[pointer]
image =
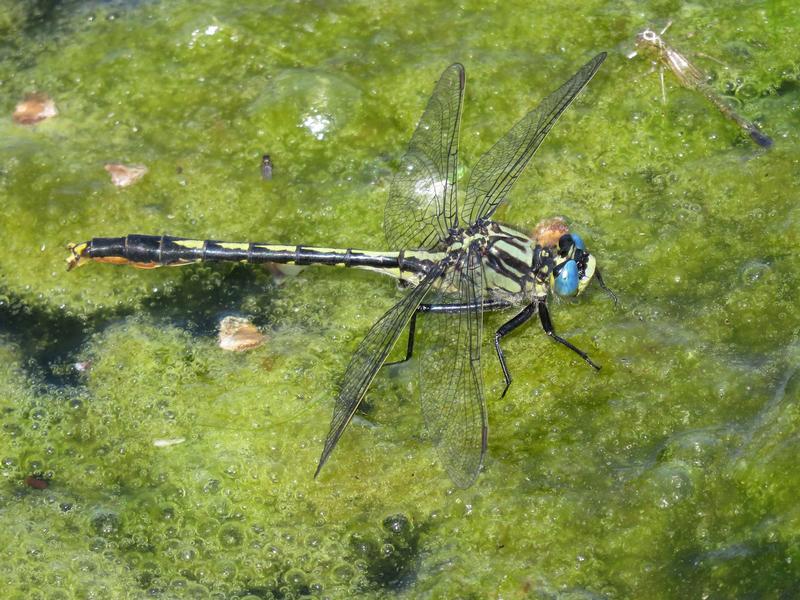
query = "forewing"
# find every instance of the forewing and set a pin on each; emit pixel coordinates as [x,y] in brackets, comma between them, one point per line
[422,198]
[451,381]
[367,360]
[496,172]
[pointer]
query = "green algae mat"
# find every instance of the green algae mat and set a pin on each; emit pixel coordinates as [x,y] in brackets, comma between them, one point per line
[140,460]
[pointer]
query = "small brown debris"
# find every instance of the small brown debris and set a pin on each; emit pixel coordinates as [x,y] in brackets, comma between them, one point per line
[37,482]
[549,231]
[82,366]
[125,175]
[34,108]
[237,335]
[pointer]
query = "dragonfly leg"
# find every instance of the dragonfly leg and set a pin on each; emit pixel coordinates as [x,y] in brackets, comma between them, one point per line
[604,287]
[441,308]
[503,331]
[412,326]
[547,325]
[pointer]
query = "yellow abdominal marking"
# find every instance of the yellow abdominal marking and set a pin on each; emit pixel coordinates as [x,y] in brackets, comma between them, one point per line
[189,243]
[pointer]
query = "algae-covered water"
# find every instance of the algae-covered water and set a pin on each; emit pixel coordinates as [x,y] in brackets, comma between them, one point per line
[671,473]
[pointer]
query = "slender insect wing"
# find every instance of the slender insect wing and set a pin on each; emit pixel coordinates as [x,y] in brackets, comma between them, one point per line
[451,380]
[496,172]
[367,360]
[422,199]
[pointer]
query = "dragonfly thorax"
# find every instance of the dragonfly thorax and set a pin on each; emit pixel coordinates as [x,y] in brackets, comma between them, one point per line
[518,269]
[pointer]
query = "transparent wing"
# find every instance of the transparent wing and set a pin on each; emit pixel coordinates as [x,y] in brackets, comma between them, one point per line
[367,360]
[422,198]
[496,172]
[451,381]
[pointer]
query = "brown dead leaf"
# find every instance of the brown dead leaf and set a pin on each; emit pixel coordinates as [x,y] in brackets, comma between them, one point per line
[34,108]
[125,175]
[237,335]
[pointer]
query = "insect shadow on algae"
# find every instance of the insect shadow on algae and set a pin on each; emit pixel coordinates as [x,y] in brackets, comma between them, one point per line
[458,262]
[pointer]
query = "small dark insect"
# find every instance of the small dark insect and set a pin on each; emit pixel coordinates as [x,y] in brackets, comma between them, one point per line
[266,167]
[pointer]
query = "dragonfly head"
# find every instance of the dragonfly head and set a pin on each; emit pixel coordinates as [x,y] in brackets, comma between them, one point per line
[649,40]
[646,42]
[648,37]
[575,267]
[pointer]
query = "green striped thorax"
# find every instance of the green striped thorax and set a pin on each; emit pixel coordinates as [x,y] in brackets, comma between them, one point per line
[518,268]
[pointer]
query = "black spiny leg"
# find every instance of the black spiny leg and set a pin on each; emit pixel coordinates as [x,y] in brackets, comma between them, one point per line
[440,308]
[504,330]
[604,287]
[547,325]
[412,325]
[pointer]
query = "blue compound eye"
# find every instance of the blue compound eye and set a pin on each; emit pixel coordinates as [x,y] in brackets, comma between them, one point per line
[566,281]
[578,241]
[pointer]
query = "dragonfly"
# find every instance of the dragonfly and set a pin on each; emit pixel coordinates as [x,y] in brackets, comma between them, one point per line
[457,262]
[692,78]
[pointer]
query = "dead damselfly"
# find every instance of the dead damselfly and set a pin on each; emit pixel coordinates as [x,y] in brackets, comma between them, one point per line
[692,78]
[458,262]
